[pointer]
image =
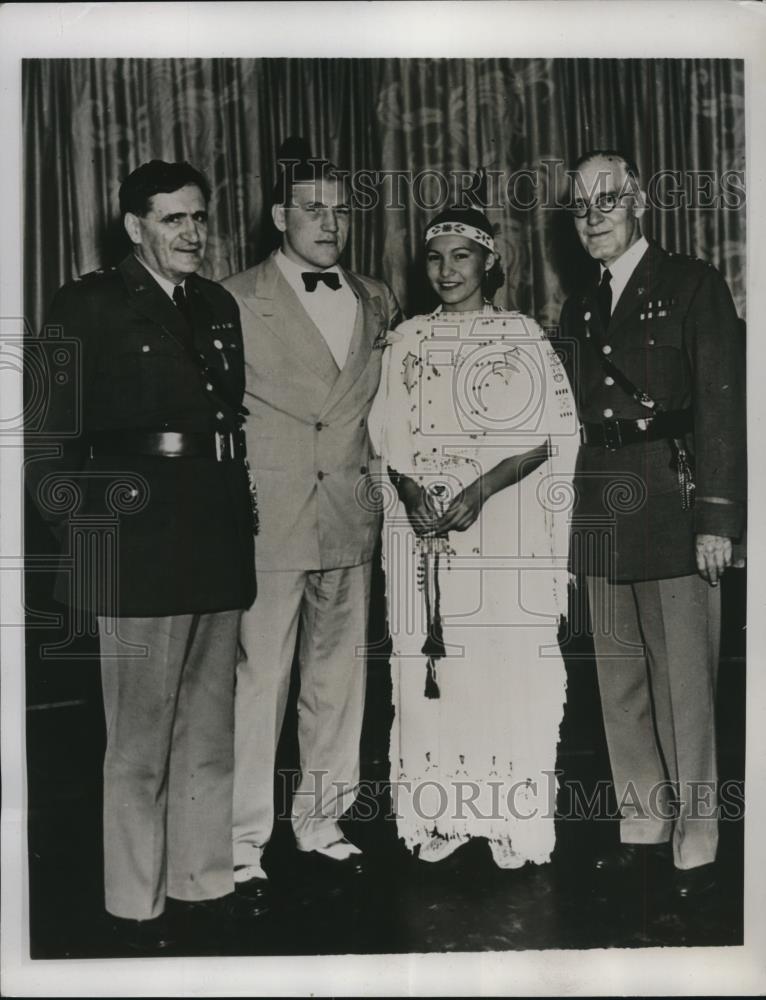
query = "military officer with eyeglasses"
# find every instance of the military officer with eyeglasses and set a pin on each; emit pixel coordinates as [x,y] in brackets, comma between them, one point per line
[658,372]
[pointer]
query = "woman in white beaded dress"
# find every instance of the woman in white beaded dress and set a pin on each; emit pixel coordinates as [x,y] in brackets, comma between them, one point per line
[477,428]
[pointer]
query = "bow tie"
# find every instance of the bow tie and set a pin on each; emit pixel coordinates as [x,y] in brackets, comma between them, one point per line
[312,278]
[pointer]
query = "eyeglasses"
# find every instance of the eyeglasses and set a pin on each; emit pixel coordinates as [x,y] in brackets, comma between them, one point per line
[605,202]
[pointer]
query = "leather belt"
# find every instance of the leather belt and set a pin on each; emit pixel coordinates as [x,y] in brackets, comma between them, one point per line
[218,446]
[614,434]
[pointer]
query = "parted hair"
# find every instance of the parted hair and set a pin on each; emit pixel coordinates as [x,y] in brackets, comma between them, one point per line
[158,177]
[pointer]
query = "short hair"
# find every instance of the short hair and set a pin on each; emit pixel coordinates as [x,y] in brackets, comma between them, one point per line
[158,177]
[608,154]
[296,165]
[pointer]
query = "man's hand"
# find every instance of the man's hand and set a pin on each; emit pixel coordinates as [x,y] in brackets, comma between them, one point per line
[713,557]
[463,510]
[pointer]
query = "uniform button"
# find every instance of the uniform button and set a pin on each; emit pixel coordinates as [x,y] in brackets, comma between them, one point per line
[146,348]
[608,413]
[609,380]
[606,349]
[218,344]
[219,415]
[319,425]
[209,387]
[363,470]
[586,317]
[320,475]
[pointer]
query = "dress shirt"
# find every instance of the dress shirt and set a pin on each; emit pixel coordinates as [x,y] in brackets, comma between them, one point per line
[623,268]
[333,311]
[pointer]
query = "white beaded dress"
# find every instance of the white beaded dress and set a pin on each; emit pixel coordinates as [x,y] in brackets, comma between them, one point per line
[461,392]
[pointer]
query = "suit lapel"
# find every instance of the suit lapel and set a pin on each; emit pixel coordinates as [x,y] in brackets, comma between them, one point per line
[277,306]
[367,326]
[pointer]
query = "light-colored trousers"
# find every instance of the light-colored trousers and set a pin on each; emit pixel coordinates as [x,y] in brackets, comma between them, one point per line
[330,606]
[168,769]
[657,645]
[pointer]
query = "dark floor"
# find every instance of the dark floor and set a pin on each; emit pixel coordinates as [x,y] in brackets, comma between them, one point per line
[462,904]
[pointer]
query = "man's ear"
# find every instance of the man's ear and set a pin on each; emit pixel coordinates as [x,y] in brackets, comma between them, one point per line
[278,215]
[640,205]
[132,227]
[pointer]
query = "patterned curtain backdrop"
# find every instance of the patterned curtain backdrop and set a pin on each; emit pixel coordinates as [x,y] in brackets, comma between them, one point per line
[412,132]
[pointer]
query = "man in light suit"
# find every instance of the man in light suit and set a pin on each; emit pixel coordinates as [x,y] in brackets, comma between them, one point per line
[312,369]
[660,391]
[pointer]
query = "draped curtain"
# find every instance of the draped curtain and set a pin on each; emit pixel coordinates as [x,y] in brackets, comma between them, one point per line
[89,122]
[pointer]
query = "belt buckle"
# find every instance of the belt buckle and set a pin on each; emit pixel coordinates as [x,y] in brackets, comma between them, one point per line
[612,435]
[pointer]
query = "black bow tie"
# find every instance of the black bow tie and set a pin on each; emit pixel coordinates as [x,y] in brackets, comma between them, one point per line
[312,278]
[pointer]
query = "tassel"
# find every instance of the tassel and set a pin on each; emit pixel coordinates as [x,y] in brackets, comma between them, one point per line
[433,647]
[432,688]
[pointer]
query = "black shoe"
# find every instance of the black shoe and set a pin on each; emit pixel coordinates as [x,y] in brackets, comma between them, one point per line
[351,867]
[251,898]
[147,937]
[694,882]
[199,922]
[630,858]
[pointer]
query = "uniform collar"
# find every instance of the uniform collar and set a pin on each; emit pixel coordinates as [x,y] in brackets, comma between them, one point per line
[167,286]
[622,269]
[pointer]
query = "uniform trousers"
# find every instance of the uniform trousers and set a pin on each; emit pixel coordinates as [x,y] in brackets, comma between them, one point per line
[168,687]
[657,645]
[326,612]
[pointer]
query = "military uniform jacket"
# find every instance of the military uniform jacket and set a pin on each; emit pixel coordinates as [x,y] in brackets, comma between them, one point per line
[675,334]
[180,527]
[307,431]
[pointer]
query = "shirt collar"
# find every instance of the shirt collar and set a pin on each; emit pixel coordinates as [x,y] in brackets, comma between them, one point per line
[167,286]
[624,266]
[291,268]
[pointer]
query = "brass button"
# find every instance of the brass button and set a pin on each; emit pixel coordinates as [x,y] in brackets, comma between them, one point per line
[319,425]
[609,380]
[608,413]
[606,349]
[320,475]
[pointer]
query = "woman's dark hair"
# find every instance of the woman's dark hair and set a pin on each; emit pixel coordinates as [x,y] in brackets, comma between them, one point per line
[158,177]
[459,216]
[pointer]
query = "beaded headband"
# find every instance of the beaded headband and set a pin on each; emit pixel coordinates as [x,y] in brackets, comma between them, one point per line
[461,229]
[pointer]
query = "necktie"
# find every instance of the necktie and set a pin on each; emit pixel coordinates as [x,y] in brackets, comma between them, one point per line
[604,299]
[179,297]
[312,278]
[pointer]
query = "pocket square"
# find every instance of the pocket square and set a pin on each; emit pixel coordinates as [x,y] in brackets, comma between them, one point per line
[385,339]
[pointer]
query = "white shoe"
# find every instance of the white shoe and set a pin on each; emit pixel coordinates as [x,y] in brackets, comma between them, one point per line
[339,850]
[438,848]
[254,869]
[503,854]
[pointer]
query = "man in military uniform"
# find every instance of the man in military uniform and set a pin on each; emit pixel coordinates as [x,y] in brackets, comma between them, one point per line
[311,331]
[159,465]
[660,489]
